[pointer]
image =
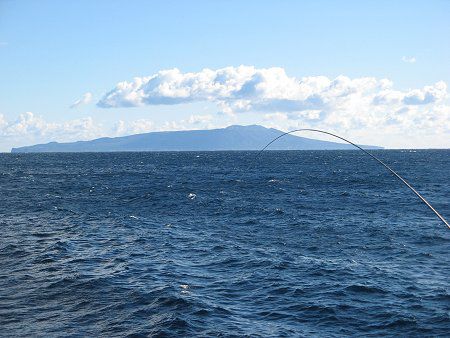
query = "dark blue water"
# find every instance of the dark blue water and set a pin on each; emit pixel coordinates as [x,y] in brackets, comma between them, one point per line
[305,243]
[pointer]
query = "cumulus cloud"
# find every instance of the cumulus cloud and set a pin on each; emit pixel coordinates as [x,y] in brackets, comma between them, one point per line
[85,99]
[354,106]
[29,125]
[29,128]
[426,95]
[133,127]
[342,103]
[276,117]
[140,126]
[246,88]
[242,88]
[198,119]
[191,123]
[409,59]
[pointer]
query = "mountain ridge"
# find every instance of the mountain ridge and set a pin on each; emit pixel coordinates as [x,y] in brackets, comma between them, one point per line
[234,137]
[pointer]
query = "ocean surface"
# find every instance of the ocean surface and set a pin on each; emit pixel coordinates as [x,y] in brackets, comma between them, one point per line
[296,243]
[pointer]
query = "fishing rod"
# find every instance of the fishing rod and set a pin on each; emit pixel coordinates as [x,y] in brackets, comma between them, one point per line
[368,153]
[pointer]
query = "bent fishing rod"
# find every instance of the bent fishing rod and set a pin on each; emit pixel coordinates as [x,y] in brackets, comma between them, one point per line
[367,153]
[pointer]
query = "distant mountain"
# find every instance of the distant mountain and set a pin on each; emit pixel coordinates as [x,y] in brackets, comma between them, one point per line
[231,138]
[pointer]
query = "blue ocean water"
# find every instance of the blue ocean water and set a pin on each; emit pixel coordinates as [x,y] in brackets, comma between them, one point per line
[301,243]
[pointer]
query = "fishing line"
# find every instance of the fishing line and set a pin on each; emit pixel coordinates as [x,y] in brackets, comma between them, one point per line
[368,153]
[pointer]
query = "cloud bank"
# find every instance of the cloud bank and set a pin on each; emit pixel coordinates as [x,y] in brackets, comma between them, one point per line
[29,128]
[366,109]
[341,102]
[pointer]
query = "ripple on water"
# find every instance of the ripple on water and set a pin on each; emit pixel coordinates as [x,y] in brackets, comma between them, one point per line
[166,246]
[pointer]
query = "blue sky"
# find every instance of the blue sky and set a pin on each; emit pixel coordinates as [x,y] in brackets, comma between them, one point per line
[54,52]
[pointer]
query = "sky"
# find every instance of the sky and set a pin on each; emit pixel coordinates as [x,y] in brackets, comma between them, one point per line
[376,72]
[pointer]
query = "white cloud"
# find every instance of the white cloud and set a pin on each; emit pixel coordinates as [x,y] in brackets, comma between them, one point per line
[198,119]
[426,95]
[410,126]
[248,89]
[85,99]
[34,128]
[368,108]
[140,126]
[30,126]
[133,127]
[409,59]
[342,104]
[276,117]
[191,123]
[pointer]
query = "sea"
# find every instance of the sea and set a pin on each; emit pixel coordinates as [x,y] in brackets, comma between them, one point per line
[224,244]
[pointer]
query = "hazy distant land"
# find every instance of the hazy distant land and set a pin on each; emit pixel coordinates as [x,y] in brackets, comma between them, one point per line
[253,137]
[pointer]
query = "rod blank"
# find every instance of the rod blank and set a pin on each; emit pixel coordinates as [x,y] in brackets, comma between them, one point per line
[372,156]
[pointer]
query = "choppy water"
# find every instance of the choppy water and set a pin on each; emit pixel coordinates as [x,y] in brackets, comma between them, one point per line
[305,243]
